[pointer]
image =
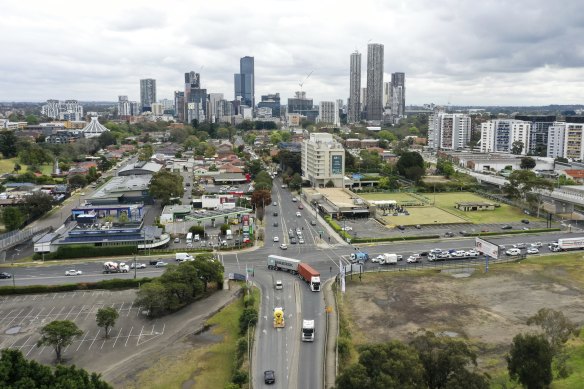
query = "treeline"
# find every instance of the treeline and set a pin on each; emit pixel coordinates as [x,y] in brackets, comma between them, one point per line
[180,285]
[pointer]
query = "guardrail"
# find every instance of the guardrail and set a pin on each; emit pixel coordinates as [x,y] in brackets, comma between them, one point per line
[19,236]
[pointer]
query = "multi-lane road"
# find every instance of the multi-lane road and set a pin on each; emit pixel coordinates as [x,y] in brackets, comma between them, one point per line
[297,364]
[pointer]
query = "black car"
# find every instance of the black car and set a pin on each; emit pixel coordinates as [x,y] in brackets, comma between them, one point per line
[449,234]
[275,214]
[275,224]
[4,275]
[269,377]
[293,240]
[400,227]
[525,221]
[507,227]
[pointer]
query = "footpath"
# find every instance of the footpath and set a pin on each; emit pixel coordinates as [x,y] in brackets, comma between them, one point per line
[332,328]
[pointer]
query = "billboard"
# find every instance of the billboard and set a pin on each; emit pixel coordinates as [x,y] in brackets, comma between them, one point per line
[337,164]
[487,248]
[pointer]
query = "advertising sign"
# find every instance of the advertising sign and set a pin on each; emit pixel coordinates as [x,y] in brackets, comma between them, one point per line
[487,248]
[337,164]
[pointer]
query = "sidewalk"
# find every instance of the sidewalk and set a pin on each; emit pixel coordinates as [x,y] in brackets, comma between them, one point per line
[332,327]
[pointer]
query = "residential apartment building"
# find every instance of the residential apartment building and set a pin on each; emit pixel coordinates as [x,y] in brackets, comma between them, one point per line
[448,131]
[538,137]
[147,94]
[374,81]
[323,160]
[63,110]
[354,103]
[566,140]
[499,135]
[398,94]
[179,104]
[195,98]
[328,112]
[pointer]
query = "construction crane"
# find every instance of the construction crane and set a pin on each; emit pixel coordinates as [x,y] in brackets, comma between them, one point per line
[303,81]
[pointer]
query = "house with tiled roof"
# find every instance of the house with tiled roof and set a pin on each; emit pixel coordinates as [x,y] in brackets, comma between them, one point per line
[575,174]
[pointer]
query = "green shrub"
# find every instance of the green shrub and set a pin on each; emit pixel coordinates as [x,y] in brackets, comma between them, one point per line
[248,300]
[241,349]
[344,347]
[239,377]
[249,317]
[87,251]
[112,284]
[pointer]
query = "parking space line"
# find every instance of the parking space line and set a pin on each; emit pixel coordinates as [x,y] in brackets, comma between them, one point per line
[25,342]
[32,347]
[130,309]
[121,307]
[54,296]
[79,313]
[129,335]
[14,343]
[137,313]
[24,318]
[71,310]
[98,331]
[118,337]
[88,312]
[36,296]
[139,336]
[152,330]
[7,316]
[82,340]
[14,318]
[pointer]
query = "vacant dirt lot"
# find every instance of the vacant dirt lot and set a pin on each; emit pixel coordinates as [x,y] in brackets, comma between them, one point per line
[487,309]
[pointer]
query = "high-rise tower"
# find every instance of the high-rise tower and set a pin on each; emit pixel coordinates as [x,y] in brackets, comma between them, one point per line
[374,81]
[147,93]
[244,81]
[398,95]
[354,108]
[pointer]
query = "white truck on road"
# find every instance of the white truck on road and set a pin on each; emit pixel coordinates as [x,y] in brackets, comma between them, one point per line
[115,267]
[308,330]
[182,257]
[567,244]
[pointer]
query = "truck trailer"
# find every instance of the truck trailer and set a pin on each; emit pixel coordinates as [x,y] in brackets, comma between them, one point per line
[276,262]
[308,330]
[359,256]
[115,267]
[389,259]
[311,276]
[567,244]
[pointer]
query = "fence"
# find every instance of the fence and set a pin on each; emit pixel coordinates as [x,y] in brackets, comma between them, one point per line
[16,237]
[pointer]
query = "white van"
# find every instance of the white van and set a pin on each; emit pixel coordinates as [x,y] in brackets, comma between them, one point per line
[197,238]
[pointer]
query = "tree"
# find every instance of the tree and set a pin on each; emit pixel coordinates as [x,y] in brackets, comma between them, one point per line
[527,163]
[557,328]
[530,361]
[37,204]
[354,377]
[407,160]
[153,296]
[165,185]
[414,173]
[145,153]
[445,167]
[18,372]
[106,318]
[12,218]
[260,198]
[104,164]
[92,174]
[517,147]
[8,142]
[77,181]
[275,138]
[295,182]
[106,139]
[208,270]
[248,318]
[253,167]
[59,334]
[330,184]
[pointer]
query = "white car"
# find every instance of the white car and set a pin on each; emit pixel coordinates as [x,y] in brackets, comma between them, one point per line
[138,266]
[536,244]
[73,272]
[275,203]
[413,258]
[279,284]
[283,246]
[435,251]
[513,252]
[533,250]
[161,264]
[300,240]
[378,258]
[276,239]
[298,214]
[472,253]
[347,228]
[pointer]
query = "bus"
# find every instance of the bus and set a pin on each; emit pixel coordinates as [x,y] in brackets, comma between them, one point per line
[190,238]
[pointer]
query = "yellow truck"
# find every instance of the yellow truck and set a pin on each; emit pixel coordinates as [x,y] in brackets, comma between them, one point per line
[279,317]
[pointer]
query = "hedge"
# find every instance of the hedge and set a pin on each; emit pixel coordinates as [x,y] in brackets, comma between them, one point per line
[113,284]
[394,238]
[515,232]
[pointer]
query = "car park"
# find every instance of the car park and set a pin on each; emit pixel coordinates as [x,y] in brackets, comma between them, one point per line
[269,377]
[283,246]
[137,265]
[276,239]
[73,272]
[5,275]
[533,250]
[161,264]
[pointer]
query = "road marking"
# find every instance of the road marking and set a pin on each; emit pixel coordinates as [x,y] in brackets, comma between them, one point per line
[71,310]
[24,318]
[139,336]
[118,337]
[7,316]
[54,296]
[14,318]
[82,340]
[129,335]
[79,313]
[237,259]
[130,309]
[25,342]
[32,347]
[98,331]
[14,343]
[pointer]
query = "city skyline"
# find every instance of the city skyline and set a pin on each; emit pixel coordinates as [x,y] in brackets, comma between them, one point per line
[99,56]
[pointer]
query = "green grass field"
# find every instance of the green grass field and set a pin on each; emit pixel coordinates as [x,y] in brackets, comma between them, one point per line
[7,166]
[444,211]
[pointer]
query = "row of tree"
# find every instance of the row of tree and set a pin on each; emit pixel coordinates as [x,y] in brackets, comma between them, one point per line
[180,285]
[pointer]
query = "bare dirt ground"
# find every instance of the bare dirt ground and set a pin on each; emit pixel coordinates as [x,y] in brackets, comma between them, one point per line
[486,309]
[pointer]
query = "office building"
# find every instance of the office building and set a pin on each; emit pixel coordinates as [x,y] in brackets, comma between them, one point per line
[448,131]
[147,94]
[538,139]
[195,99]
[225,111]
[323,160]
[244,82]
[271,101]
[124,106]
[374,105]
[328,112]
[398,94]
[387,95]
[302,105]
[214,99]
[179,103]
[498,136]
[69,110]
[354,108]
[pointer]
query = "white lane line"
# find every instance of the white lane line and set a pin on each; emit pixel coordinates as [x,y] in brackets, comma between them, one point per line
[129,335]
[71,310]
[237,259]
[118,337]
[98,331]
[82,340]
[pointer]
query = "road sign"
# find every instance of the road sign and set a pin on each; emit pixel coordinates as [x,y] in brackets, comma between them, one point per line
[487,248]
[329,309]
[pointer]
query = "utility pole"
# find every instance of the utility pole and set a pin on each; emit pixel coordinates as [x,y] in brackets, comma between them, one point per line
[135,266]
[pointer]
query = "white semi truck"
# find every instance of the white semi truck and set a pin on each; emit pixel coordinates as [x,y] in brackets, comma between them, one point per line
[308,330]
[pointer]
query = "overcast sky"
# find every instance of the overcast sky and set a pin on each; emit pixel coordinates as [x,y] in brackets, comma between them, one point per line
[490,52]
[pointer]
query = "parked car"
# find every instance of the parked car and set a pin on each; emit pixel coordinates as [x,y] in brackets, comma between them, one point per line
[533,250]
[5,275]
[435,251]
[176,240]
[472,253]
[449,234]
[418,227]
[161,264]
[283,246]
[269,377]
[524,221]
[276,239]
[313,222]
[138,265]
[275,213]
[298,214]
[73,272]
[513,252]
[401,227]
[536,244]
[519,245]
[347,228]
[293,240]
[413,258]
[507,227]
[275,203]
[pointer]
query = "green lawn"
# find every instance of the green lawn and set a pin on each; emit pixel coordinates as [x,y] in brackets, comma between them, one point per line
[7,166]
[424,216]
